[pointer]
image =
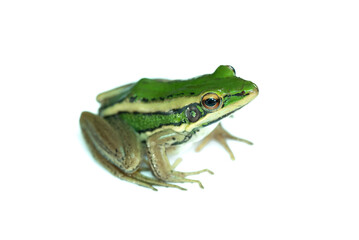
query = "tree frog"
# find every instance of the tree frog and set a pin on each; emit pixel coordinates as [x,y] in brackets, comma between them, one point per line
[138,124]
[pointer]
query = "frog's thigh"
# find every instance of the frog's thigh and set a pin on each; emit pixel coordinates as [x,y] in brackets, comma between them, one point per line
[113,169]
[114,141]
[102,160]
[162,169]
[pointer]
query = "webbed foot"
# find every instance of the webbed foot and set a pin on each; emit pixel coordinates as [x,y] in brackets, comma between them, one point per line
[220,135]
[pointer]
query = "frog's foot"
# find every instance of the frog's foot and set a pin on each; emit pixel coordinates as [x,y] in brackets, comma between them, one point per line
[136,177]
[153,181]
[220,135]
[181,176]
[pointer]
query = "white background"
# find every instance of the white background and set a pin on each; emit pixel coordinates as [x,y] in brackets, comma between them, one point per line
[298,181]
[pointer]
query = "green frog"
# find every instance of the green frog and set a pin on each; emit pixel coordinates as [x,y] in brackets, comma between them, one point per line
[140,123]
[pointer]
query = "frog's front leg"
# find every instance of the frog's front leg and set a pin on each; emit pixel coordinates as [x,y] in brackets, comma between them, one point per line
[161,167]
[220,135]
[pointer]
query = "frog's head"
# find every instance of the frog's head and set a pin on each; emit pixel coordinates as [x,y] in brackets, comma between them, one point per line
[222,93]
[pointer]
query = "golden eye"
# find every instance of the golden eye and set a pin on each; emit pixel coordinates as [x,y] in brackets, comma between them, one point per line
[211,101]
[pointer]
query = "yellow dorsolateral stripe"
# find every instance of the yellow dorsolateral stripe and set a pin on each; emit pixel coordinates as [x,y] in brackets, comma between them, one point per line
[150,107]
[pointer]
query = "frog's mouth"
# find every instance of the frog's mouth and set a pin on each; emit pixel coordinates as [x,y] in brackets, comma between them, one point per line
[214,117]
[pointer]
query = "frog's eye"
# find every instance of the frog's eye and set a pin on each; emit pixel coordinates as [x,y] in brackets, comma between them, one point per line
[224,71]
[211,101]
[232,68]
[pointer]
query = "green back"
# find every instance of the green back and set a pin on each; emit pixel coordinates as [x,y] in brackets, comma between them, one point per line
[223,82]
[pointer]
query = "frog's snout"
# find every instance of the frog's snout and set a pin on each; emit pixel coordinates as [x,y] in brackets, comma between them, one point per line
[254,92]
[256,87]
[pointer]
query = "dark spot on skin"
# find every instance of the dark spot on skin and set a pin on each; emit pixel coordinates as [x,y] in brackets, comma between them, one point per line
[116,151]
[192,93]
[170,96]
[144,100]
[173,138]
[162,98]
[153,99]
[132,99]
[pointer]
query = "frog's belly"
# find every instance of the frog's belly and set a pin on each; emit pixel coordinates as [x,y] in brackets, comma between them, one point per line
[198,136]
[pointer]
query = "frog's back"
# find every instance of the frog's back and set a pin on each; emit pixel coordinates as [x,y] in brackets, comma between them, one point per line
[147,90]
[152,90]
[223,80]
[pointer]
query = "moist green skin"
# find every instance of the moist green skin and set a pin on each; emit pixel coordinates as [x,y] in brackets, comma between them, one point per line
[147,122]
[223,82]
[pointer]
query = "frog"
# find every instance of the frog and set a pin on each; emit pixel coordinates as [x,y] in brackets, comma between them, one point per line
[140,124]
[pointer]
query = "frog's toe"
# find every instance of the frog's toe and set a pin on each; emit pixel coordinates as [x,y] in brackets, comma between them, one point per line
[196,172]
[221,135]
[154,182]
[180,177]
[192,181]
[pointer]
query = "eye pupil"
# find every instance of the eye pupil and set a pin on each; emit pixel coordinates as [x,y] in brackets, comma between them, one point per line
[210,102]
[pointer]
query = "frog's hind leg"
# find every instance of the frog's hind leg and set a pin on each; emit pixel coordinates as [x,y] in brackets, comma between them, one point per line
[220,135]
[116,147]
[115,140]
[136,178]
[112,168]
